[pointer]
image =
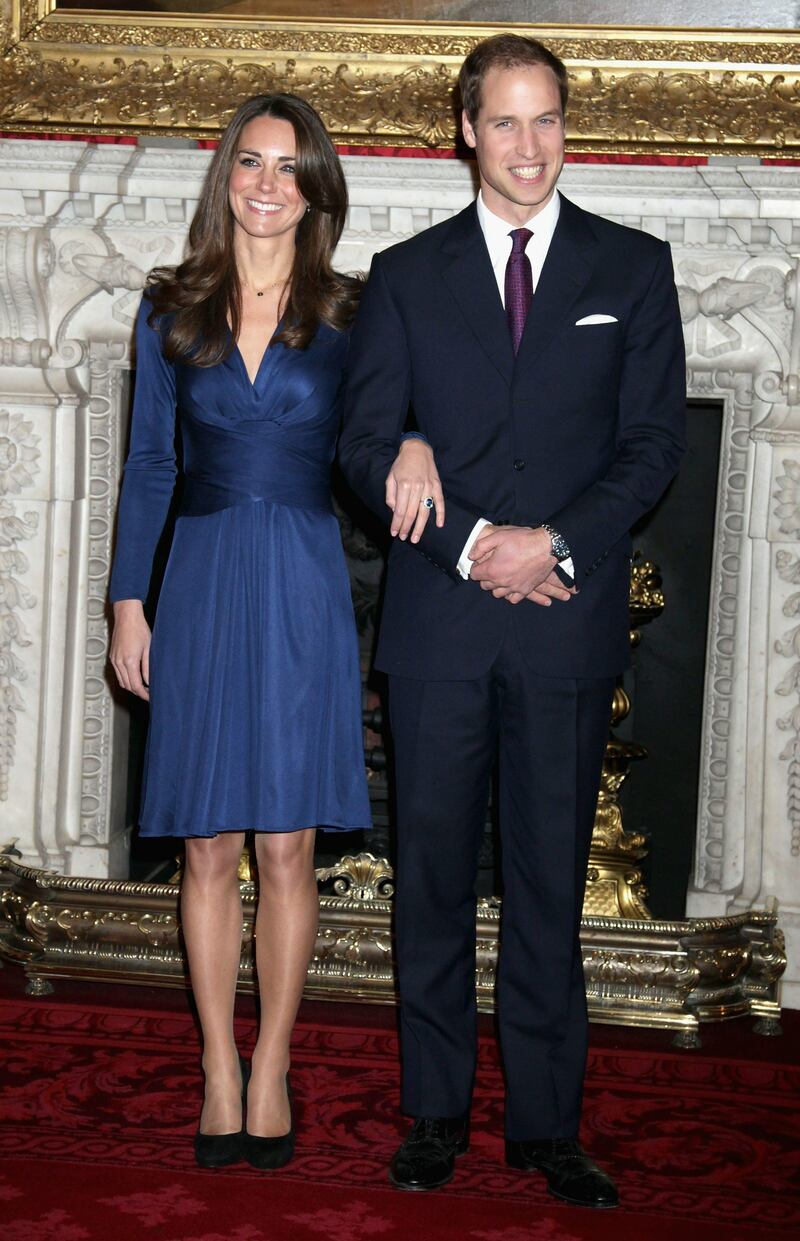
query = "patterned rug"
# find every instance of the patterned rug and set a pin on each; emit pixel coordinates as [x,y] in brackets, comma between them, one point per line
[98,1103]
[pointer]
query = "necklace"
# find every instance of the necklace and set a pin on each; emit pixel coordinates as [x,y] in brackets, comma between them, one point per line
[274,285]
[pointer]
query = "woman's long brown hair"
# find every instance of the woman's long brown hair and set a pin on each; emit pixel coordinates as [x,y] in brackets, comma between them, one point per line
[202,295]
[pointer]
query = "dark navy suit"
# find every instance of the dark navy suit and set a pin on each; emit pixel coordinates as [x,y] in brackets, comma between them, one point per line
[584,430]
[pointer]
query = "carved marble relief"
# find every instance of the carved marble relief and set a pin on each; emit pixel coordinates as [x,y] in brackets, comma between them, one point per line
[80,227]
[788,646]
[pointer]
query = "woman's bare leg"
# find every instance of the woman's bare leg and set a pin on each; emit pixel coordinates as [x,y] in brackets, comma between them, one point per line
[211,918]
[285,932]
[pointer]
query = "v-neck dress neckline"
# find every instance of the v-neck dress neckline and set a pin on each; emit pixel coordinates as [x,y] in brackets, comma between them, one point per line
[253,382]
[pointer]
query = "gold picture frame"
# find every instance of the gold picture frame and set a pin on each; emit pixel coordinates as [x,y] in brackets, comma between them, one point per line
[633,90]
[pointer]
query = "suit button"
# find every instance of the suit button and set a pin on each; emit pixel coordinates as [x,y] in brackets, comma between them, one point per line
[519,464]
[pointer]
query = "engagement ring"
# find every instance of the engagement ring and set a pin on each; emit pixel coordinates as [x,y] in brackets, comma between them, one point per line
[427,502]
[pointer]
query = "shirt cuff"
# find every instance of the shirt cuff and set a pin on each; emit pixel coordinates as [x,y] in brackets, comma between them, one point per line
[464,566]
[565,571]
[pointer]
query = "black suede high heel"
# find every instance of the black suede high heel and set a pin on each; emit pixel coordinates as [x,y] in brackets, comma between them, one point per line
[220,1150]
[267,1154]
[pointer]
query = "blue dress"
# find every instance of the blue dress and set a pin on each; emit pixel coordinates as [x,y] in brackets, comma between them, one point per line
[255,686]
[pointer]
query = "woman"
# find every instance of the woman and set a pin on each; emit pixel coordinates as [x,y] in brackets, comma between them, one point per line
[253,673]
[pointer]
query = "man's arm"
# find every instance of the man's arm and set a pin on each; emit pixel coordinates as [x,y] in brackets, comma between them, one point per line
[651,435]
[376,405]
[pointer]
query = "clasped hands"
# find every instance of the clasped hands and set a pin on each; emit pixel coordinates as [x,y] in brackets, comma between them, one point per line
[513,562]
[516,563]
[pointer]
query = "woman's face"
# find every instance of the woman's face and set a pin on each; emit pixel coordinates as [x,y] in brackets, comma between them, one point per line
[262,191]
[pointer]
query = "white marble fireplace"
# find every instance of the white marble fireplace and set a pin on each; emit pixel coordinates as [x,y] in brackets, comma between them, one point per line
[79,228]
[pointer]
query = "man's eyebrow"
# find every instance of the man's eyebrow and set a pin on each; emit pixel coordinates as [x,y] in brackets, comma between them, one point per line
[507,116]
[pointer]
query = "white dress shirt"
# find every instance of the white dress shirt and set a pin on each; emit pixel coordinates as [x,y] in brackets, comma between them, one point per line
[497,235]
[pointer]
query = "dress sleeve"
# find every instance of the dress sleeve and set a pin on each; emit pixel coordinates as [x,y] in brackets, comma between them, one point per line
[149,477]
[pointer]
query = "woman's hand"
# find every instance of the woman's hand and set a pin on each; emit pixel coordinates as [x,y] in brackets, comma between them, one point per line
[130,647]
[411,479]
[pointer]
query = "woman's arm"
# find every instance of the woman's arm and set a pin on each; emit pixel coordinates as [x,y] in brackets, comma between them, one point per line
[147,488]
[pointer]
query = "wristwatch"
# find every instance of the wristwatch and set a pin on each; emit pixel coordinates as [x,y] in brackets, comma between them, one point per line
[558,544]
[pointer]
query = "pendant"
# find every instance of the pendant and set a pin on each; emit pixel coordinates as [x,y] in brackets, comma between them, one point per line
[260,293]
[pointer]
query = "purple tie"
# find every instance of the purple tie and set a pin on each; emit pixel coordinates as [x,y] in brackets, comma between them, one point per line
[519,284]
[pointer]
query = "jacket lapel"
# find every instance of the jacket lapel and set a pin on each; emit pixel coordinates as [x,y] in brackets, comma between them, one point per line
[566,271]
[468,274]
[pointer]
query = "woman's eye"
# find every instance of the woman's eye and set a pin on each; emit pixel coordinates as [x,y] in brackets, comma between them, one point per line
[287,168]
[247,161]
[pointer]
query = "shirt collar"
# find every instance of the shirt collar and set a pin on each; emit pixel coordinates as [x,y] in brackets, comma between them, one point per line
[496,231]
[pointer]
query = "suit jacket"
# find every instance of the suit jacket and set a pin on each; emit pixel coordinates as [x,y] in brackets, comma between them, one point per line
[583,429]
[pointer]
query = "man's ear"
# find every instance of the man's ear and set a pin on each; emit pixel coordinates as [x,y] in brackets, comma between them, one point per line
[468,131]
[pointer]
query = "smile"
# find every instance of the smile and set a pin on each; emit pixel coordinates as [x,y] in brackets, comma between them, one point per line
[528,172]
[264,208]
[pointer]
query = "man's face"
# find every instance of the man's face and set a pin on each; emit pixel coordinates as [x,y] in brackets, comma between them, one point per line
[518,138]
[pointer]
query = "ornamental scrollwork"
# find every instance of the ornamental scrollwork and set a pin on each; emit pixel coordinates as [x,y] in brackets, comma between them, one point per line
[361,878]
[692,107]
[788,569]
[788,498]
[392,83]
[19,453]
[19,456]
[357,946]
[440,40]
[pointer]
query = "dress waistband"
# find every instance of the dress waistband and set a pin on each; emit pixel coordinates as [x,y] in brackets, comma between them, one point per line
[250,461]
[201,497]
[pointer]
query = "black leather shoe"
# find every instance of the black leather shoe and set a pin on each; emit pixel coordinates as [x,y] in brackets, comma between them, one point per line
[220,1150]
[426,1160]
[571,1175]
[268,1154]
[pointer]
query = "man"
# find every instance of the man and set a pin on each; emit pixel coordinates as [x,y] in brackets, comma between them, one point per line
[540,350]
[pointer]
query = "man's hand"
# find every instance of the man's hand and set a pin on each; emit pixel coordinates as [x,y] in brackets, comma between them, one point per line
[516,563]
[412,477]
[130,647]
[551,588]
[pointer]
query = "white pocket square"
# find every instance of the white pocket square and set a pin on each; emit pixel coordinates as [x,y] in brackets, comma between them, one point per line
[590,320]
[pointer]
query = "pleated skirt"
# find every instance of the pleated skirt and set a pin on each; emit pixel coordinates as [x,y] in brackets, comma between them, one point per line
[255,684]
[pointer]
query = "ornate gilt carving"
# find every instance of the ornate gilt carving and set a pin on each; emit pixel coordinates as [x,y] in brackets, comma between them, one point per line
[607,970]
[362,878]
[669,974]
[631,90]
[614,885]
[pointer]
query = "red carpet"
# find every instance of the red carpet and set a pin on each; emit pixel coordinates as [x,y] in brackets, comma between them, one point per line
[99,1099]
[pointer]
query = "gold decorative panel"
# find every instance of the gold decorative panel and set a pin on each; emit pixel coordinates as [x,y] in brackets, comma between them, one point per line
[666,91]
[673,975]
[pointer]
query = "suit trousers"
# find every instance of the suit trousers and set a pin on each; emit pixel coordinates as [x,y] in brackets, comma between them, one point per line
[550,736]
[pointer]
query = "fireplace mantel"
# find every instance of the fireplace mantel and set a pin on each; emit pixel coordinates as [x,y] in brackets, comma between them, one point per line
[80,225]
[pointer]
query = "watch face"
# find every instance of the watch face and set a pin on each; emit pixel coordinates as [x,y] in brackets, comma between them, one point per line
[558,544]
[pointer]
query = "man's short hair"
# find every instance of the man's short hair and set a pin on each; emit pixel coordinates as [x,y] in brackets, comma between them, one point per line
[505,51]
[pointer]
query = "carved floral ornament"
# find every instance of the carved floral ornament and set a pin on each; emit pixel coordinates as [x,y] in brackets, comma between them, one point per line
[19,453]
[665,91]
[19,462]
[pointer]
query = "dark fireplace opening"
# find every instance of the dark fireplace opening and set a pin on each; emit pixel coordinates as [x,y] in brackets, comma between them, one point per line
[666,681]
